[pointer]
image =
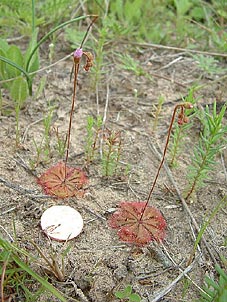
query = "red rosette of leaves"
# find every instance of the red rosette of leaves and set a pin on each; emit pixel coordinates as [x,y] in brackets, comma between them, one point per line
[63,182]
[132,229]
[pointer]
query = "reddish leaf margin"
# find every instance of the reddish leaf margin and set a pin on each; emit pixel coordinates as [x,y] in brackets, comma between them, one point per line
[132,229]
[63,182]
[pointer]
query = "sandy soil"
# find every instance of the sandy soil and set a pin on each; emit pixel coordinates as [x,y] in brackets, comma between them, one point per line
[97,263]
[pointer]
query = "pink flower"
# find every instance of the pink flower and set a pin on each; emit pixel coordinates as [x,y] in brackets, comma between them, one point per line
[78,53]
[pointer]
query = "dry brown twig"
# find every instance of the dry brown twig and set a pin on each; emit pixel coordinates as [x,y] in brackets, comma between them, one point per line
[21,190]
[169,287]
[159,46]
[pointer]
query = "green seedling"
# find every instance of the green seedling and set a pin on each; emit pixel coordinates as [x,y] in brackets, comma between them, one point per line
[17,276]
[211,142]
[61,142]
[215,291]
[38,149]
[42,148]
[221,205]
[127,295]
[130,64]
[111,152]
[52,261]
[157,113]
[47,127]
[93,131]
[208,65]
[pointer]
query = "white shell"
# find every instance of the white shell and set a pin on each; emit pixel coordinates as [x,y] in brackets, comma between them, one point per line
[61,222]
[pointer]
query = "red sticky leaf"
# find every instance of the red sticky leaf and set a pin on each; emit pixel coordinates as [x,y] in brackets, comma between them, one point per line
[133,229]
[63,182]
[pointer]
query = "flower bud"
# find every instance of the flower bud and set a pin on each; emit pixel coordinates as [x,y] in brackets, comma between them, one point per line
[77,55]
[185,120]
[188,105]
[180,122]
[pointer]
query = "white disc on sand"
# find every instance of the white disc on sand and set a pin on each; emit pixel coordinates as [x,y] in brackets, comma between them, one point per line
[61,222]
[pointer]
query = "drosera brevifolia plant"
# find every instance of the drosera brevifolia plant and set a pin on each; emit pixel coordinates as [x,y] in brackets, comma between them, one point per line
[61,180]
[137,222]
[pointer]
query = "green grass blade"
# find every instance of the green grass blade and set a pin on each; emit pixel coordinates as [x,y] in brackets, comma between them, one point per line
[50,33]
[41,280]
[29,81]
[220,205]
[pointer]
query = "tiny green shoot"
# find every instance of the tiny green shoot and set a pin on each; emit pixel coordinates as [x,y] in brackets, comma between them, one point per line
[127,295]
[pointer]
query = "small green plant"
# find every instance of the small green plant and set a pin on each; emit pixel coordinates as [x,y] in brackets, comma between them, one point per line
[61,142]
[111,152]
[157,113]
[208,65]
[215,291]
[127,295]
[211,142]
[207,221]
[42,147]
[47,127]
[180,130]
[130,64]
[39,150]
[93,130]
[17,277]
[12,66]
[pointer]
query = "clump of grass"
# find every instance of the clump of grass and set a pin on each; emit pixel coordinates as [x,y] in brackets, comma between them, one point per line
[208,65]
[215,291]
[17,277]
[211,142]
[93,129]
[42,147]
[111,152]
[60,143]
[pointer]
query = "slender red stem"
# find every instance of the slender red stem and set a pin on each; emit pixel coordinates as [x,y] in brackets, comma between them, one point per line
[76,70]
[163,158]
